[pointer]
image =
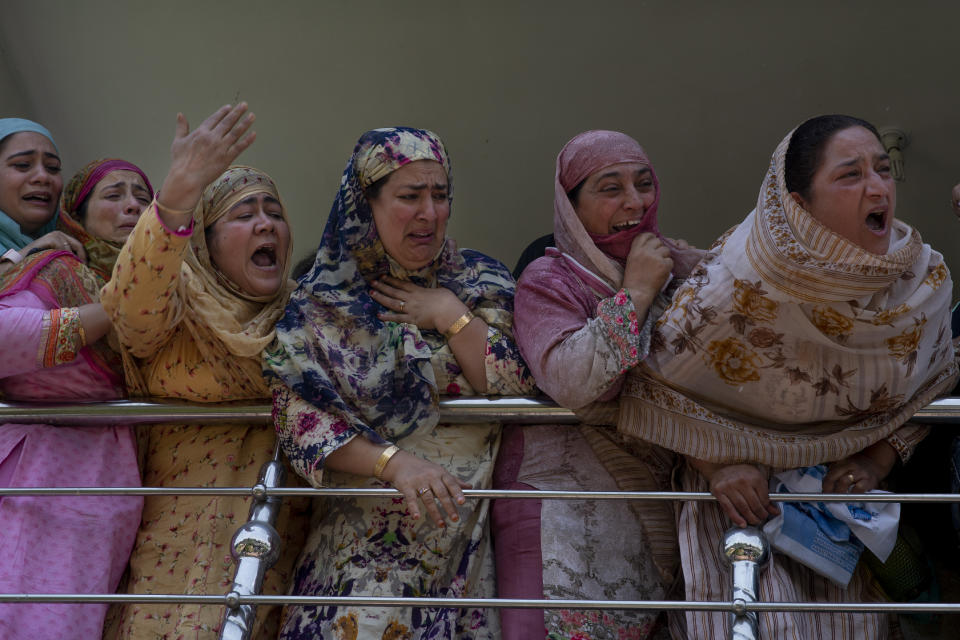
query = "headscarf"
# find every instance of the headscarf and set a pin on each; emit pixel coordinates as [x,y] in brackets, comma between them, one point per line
[332,349]
[61,279]
[792,346]
[603,255]
[11,237]
[101,254]
[242,322]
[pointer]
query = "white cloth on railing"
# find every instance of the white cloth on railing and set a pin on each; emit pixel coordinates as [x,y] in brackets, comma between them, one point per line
[829,537]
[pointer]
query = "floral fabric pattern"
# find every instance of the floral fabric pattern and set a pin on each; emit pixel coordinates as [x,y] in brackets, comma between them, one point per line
[62,337]
[183,545]
[785,327]
[48,539]
[337,372]
[624,330]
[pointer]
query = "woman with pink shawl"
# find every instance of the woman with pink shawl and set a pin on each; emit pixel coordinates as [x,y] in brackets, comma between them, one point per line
[583,318]
[53,336]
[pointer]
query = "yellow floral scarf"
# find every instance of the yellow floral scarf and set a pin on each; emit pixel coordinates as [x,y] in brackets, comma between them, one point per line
[791,346]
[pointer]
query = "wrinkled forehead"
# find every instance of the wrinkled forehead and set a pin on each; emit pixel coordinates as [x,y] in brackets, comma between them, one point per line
[380,152]
[235,185]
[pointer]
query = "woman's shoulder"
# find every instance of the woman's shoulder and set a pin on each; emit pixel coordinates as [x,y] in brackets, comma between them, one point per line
[478,261]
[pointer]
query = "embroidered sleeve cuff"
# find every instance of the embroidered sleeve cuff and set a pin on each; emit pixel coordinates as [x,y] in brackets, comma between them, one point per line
[623,328]
[62,337]
[905,439]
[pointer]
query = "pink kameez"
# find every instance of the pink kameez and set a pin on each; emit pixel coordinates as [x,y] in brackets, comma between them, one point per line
[59,544]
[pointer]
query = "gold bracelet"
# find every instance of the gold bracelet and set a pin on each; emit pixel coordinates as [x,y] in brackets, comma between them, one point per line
[384,458]
[458,325]
[176,212]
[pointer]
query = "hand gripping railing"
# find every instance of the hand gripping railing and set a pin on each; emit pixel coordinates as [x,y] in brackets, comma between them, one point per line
[256,544]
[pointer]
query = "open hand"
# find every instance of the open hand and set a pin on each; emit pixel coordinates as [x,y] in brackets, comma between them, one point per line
[424,483]
[435,308]
[58,241]
[198,157]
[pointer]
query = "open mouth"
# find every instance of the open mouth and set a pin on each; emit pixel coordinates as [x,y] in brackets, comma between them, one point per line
[623,226]
[265,256]
[422,236]
[43,198]
[877,221]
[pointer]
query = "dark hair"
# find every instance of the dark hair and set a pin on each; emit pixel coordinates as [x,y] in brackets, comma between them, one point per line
[373,191]
[82,209]
[805,151]
[574,194]
[303,267]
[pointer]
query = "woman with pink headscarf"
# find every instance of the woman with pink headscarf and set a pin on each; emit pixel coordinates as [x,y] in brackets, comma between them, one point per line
[583,318]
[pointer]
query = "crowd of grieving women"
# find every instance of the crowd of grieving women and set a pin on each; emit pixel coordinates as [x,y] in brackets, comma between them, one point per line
[789,356]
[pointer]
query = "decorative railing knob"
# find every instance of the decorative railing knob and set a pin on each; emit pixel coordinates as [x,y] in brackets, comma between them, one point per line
[748,551]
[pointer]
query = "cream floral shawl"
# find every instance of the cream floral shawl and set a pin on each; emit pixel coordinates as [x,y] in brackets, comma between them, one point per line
[791,346]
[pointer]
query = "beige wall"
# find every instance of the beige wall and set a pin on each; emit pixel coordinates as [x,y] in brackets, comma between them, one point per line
[708,88]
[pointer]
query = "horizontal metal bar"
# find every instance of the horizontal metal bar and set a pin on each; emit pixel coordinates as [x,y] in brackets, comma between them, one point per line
[486,603]
[505,409]
[260,491]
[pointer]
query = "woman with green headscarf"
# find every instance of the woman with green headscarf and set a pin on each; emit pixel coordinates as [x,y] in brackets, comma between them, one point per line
[30,184]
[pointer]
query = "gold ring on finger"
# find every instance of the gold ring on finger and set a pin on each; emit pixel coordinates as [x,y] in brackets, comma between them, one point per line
[423,490]
[851,478]
[402,303]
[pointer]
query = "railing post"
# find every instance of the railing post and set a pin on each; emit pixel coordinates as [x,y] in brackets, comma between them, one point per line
[256,548]
[748,551]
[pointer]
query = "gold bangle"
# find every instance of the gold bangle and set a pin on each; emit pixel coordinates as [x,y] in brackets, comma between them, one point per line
[384,458]
[458,325]
[175,212]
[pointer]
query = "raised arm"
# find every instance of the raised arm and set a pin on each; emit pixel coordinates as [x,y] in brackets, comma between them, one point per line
[141,298]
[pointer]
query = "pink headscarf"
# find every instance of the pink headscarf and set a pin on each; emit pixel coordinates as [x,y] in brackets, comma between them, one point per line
[103,169]
[604,255]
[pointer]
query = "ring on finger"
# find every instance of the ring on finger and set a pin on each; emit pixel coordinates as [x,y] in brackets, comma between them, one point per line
[402,303]
[423,490]
[851,478]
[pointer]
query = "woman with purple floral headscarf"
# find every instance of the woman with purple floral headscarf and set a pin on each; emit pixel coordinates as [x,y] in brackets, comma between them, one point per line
[392,315]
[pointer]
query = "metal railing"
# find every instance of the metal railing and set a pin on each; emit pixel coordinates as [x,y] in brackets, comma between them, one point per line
[256,544]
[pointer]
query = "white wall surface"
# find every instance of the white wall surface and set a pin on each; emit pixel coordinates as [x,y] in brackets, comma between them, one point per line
[708,88]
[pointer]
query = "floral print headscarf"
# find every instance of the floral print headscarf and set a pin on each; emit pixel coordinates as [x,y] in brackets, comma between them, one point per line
[331,349]
[791,346]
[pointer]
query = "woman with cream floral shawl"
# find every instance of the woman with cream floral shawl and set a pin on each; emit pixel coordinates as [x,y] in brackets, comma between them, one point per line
[790,346]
